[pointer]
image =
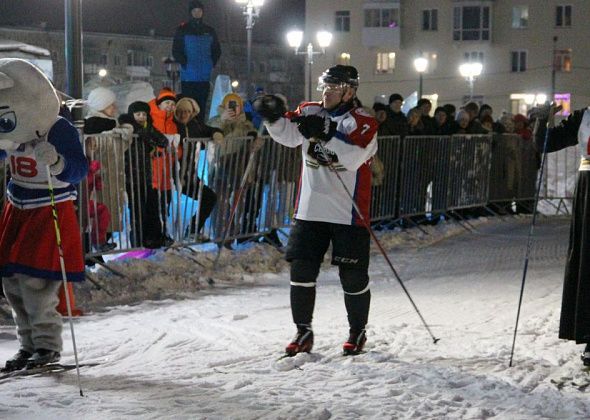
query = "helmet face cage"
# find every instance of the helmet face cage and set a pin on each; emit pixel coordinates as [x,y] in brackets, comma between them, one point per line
[326,81]
[337,77]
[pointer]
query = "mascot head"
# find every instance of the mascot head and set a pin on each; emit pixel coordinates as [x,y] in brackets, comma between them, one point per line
[29,105]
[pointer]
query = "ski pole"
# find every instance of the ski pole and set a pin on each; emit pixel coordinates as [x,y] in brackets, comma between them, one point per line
[63,273]
[530,240]
[377,242]
[237,197]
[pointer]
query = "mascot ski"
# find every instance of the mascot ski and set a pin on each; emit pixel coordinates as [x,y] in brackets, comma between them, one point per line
[35,141]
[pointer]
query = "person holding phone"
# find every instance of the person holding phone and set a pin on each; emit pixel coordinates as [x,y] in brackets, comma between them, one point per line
[232,157]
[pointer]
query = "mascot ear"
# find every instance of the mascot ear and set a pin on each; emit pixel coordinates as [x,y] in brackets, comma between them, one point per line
[5,81]
[29,103]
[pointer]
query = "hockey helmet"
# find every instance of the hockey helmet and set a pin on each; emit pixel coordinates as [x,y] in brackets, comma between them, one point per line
[339,75]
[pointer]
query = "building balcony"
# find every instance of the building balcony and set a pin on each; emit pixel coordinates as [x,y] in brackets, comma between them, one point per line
[381,37]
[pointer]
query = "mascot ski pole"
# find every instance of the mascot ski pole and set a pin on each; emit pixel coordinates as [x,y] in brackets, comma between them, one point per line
[64,277]
[377,242]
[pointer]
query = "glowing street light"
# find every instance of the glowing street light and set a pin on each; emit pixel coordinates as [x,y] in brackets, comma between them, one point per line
[470,71]
[102,73]
[295,38]
[420,64]
[251,11]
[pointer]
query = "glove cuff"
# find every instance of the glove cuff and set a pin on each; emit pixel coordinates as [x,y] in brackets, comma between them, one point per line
[58,167]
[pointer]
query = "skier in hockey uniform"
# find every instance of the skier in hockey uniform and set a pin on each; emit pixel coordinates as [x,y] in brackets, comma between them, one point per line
[335,136]
[34,138]
[575,305]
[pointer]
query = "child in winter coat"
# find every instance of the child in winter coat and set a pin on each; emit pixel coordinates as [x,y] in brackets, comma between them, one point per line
[146,227]
[99,215]
[113,142]
[163,160]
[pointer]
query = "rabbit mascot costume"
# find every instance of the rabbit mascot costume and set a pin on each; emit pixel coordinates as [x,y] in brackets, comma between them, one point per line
[36,142]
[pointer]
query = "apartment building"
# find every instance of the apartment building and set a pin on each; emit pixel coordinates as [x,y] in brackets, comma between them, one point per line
[123,58]
[528,48]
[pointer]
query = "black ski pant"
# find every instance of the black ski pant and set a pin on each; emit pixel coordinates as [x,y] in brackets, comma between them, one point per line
[355,284]
[199,91]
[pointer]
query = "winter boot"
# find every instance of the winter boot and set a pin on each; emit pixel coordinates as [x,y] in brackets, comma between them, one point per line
[355,343]
[302,342]
[42,357]
[586,355]
[17,362]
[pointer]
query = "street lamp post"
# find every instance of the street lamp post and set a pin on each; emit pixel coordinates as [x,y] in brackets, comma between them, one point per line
[470,71]
[420,64]
[294,38]
[251,11]
[553,70]
[73,50]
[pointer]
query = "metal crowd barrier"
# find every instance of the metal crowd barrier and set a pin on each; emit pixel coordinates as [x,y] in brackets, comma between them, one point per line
[137,194]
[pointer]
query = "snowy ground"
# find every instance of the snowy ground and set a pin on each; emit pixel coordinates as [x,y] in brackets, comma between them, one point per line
[213,353]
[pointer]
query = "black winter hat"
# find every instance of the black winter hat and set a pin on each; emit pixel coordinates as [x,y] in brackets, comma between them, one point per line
[195,4]
[395,97]
[138,106]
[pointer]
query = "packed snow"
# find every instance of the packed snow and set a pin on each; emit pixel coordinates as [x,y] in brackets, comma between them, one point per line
[171,346]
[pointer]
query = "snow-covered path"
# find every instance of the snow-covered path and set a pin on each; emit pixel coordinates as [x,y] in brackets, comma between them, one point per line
[215,356]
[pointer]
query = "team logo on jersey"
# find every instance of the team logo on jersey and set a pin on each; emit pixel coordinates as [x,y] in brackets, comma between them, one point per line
[322,154]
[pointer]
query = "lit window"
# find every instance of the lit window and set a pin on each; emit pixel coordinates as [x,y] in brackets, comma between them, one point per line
[563,15]
[562,60]
[385,63]
[520,17]
[342,21]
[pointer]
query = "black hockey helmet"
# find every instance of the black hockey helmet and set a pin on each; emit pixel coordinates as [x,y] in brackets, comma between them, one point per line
[339,74]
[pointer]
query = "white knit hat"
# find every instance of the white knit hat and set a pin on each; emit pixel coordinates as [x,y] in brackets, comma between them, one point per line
[100,99]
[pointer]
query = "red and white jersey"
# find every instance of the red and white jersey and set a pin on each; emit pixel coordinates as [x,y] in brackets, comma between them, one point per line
[321,196]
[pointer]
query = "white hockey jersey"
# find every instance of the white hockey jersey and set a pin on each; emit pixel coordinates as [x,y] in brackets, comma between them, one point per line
[321,196]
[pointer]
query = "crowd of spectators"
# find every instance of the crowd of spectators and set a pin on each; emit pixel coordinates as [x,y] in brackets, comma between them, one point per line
[445,120]
[138,160]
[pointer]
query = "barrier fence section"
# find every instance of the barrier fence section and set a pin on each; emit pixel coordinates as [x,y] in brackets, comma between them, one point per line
[137,194]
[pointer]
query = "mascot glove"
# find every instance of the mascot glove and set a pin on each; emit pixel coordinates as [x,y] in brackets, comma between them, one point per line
[314,126]
[46,154]
[269,107]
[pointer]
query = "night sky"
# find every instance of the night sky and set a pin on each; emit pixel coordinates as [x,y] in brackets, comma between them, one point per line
[139,16]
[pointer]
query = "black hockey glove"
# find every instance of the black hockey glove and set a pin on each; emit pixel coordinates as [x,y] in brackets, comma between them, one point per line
[270,107]
[314,126]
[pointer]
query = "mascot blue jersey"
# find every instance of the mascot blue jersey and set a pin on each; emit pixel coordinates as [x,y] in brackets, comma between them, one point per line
[28,187]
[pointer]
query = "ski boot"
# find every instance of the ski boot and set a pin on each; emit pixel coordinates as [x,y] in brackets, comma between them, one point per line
[302,342]
[42,357]
[16,362]
[355,343]
[586,355]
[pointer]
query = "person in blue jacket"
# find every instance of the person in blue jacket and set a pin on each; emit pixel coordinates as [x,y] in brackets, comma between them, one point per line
[197,50]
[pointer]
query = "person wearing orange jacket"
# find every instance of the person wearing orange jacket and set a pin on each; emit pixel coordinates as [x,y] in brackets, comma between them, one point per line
[163,163]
